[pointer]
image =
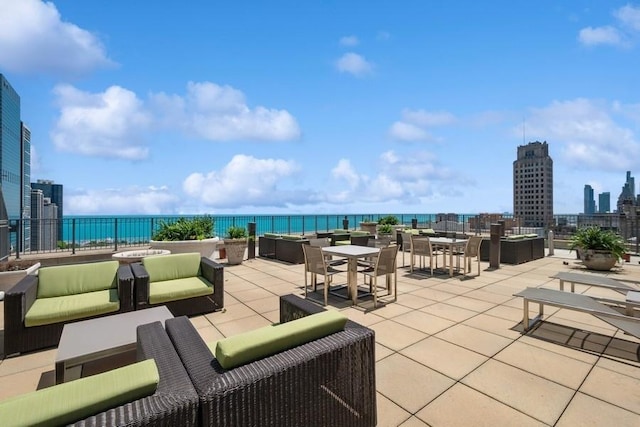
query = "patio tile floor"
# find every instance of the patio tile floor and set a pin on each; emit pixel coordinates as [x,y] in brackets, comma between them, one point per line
[449,351]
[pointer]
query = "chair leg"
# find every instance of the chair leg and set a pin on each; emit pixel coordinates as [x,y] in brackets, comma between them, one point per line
[326,289]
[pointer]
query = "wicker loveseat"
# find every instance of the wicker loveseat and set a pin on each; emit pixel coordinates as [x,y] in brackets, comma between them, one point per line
[37,308]
[155,391]
[283,247]
[188,284]
[516,249]
[329,381]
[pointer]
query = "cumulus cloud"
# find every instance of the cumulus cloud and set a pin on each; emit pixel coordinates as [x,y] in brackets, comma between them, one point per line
[107,124]
[349,41]
[355,64]
[590,133]
[35,39]
[244,181]
[414,124]
[221,113]
[125,201]
[623,33]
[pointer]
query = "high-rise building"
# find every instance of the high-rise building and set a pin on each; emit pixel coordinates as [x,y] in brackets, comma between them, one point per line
[55,193]
[628,194]
[10,152]
[589,201]
[604,202]
[25,186]
[533,185]
[44,222]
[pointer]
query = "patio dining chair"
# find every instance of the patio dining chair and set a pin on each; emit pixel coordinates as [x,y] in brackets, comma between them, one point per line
[315,263]
[472,250]
[385,265]
[422,248]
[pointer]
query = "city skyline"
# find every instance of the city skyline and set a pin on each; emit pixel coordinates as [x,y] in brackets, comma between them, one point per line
[321,107]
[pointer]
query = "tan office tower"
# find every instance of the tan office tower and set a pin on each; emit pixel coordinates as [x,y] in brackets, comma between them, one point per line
[533,185]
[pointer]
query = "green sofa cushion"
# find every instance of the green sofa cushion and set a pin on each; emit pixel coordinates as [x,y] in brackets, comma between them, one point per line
[360,233]
[73,401]
[169,267]
[46,311]
[253,345]
[515,237]
[176,289]
[531,235]
[73,279]
[291,237]
[272,235]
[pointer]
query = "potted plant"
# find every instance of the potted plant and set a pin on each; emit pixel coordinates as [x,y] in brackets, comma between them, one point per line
[385,233]
[186,235]
[235,244]
[369,226]
[599,249]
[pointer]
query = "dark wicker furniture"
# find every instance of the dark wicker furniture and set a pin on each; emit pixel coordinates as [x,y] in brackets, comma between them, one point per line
[175,402]
[209,270]
[283,249]
[326,382]
[515,251]
[18,300]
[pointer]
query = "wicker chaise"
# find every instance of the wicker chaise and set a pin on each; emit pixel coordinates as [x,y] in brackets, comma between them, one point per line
[326,382]
[19,338]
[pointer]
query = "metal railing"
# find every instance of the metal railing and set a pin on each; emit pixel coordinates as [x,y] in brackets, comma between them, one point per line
[115,233]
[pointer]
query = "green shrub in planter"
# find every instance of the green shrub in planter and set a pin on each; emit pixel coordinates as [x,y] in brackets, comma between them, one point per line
[197,228]
[593,237]
[388,220]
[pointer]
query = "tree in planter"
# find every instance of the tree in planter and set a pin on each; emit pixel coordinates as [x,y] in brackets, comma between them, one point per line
[235,244]
[599,249]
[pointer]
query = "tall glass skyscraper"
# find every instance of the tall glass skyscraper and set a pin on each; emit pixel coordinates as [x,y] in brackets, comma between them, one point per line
[589,200]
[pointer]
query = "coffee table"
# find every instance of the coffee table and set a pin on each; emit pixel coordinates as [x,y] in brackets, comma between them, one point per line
[95,339]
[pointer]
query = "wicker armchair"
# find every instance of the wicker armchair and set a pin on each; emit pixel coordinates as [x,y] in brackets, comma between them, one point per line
[175,402]
[326,382]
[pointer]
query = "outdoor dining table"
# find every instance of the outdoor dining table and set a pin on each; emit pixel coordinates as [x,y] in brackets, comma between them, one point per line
[352,253]
[451,245]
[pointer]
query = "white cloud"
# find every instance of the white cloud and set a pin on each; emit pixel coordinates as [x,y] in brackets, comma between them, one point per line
[427,118]
[602,35]
[355,64]
[402,131]
[125,201]
[349,41]
[35,39]
[629,17]
[220,113]
[587,133]
[107,124]
[344,171]
[244,181]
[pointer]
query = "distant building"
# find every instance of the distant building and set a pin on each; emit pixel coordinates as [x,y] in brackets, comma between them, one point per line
[589,201]
[25,186]
[533,185]
[604,202]
[44,222]
[628,194]
[55,193]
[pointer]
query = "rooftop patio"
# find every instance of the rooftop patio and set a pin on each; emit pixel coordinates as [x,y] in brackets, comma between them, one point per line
[449,351]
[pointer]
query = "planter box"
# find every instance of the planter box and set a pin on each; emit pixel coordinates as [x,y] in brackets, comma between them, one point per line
[205,247]
[9,278]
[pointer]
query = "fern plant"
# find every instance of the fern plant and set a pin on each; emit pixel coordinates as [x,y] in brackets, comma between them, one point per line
[197,228]
[593,237]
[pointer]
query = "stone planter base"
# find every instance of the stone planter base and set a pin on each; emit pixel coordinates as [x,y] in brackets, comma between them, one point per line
[235,249]
[205,247]
[598,260]
[129,257]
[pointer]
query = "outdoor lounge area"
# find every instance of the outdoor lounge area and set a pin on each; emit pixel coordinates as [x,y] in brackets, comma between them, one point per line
[449,350]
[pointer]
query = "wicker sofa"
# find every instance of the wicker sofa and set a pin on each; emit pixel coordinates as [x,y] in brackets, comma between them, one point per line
[282,247]
[329,381]
[37,308]
[515,249]
[157,391]
[188,284]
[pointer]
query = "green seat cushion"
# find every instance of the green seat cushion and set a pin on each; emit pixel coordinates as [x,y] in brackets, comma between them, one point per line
[272,235]
[73,401]
[515,237]
[249,346]
[343,242]
[77,278]
[176,289]
[340,231]
[174,266]
[291,237]
[360,233]
[531,235]
[46,311]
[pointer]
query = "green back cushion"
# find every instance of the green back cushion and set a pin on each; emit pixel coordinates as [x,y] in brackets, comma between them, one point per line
[291,237]
[247,347]
[515,237]
[359,233]
[272,235]
[77,278]
[73,401]
[170,267]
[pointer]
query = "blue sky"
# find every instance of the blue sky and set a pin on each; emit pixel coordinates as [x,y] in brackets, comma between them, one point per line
[291,107]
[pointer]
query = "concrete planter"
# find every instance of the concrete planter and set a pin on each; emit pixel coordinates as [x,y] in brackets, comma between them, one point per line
[598,260]
[9,278]
[235,249]
[369,227]
[129,257]
[206,247]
